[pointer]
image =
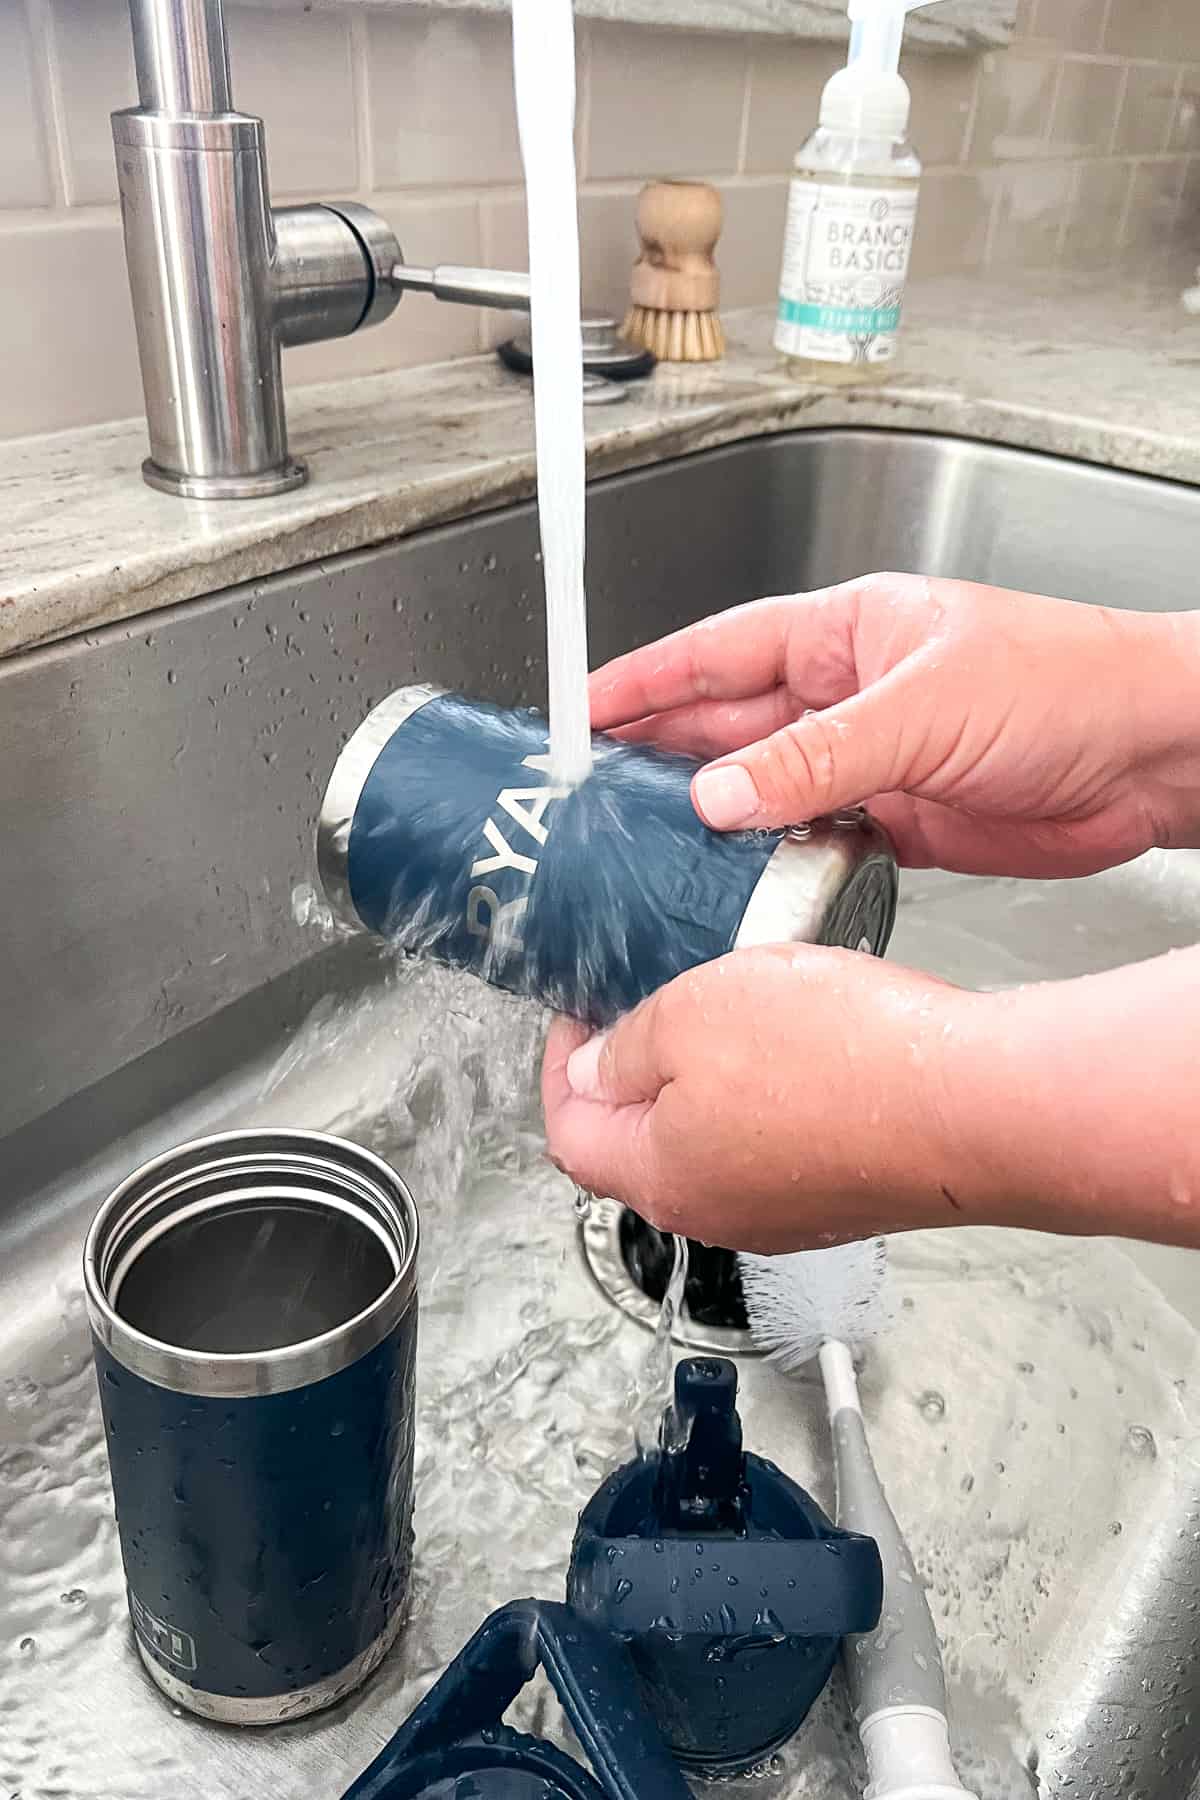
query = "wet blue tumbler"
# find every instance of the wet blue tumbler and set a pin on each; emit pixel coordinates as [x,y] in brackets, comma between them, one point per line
[253,1306]
[442,828]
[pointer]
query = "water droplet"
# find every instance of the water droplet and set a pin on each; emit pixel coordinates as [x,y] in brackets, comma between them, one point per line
[932,1405]
[1140,1440]
[74,1597]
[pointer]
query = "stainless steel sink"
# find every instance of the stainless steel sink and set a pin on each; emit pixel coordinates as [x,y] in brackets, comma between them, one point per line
[1035,1413]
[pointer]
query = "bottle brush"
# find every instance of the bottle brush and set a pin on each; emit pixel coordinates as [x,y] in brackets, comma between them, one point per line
[824,1303]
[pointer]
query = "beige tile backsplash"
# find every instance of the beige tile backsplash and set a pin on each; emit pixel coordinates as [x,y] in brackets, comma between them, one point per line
[441,112]
[24,159]
[664,102]
[1080,144]
[1086,105]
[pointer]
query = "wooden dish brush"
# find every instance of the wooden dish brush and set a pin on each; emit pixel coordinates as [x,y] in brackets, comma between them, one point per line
[675,286]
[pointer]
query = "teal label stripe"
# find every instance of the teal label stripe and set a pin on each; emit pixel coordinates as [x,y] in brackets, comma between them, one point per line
[839,318]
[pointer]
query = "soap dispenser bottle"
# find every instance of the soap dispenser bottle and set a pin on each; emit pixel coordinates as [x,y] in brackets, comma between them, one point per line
[852,211]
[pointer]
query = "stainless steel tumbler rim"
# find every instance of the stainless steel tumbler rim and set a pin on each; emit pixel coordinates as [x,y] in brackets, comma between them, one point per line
[344,791]
[229,1170]
[807,898]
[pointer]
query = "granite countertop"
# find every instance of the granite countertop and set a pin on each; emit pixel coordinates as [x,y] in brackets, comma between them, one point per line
[1102,369]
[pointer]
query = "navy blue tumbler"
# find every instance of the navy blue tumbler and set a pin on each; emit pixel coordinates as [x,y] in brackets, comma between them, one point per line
[443,829]
[253,1307]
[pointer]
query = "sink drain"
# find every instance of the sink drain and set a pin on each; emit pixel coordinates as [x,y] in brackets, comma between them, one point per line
[631,1264]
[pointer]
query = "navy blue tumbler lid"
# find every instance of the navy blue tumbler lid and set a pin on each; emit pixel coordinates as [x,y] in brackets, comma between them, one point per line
[456,1734]
[729,1586]
[494,1765]
[647,1540]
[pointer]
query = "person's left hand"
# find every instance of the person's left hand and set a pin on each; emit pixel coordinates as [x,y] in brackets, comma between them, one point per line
[770,1100]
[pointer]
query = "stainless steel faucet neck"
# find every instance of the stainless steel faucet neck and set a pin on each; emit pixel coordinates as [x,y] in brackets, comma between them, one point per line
[221,281]
[181,54]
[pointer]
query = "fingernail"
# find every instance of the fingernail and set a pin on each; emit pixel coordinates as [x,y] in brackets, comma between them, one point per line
[583,1067]
[725,796]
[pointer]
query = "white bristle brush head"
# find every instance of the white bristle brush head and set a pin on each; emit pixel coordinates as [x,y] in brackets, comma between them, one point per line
[802,1300]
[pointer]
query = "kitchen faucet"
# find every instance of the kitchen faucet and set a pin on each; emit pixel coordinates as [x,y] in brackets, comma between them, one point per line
[222,281]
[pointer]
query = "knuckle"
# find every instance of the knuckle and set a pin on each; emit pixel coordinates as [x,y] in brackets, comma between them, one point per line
[800,761]
[669,1011]
[695,650]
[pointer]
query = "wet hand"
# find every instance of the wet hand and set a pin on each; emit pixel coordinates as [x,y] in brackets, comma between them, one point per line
[770,1100]
[990,732]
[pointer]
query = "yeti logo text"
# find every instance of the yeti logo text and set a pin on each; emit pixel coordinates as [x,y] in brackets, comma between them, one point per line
[495,921]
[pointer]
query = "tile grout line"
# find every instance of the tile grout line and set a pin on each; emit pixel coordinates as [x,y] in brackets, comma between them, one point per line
[968,132]
[1172,111]
[360,76]
[1064,224]
[1118,112]
[1047,138]
[56,144]
[93,213]
[1126,207]
[993,227]
[743,144]
[1177,204]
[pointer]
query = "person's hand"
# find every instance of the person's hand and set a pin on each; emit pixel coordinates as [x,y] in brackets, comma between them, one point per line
[990,732]
[770,1100]
[785,1097]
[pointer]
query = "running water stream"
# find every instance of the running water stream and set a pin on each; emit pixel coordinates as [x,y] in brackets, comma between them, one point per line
[544,75]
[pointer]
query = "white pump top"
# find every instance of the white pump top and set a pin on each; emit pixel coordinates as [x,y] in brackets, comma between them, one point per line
[869,97]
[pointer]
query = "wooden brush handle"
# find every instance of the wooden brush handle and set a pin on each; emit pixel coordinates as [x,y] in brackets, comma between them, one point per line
[678,223]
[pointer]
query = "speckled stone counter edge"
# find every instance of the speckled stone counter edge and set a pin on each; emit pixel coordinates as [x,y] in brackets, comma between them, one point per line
[86,543]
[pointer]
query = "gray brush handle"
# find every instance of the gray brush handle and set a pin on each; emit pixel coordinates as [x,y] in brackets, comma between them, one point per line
[899,1663]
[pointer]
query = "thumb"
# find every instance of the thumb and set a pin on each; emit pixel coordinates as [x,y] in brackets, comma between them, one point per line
[624,1065]
[818,764]
[599,1109]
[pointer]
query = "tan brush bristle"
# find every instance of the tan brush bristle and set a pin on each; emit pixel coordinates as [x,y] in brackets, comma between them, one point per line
[675,336]
[675,286]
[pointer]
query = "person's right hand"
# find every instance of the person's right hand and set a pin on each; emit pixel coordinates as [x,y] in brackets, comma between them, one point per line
[990,732]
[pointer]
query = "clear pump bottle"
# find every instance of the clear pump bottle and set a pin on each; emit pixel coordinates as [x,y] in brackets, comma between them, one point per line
[852,212]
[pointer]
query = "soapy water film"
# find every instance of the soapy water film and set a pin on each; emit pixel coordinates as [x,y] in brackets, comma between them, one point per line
[529,1385]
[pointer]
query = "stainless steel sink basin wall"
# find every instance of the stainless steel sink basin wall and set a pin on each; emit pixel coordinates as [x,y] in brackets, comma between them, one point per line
[158,779]
[1035,1414]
